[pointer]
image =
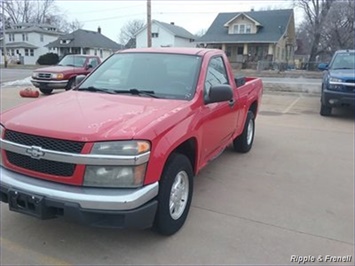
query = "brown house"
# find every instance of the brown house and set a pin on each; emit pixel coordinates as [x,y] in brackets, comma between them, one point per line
[255,38]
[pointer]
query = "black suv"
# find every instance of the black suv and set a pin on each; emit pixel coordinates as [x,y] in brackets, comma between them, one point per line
[338,85]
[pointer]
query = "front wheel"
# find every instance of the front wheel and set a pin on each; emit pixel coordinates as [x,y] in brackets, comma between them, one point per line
[244,142]
[175,193]
[71,84]
[325,110]
[46,91]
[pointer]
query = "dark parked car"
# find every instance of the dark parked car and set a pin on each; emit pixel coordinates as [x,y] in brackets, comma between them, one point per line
[338,85]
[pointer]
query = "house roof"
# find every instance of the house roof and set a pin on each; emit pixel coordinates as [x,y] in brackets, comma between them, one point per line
[173,29]
[18,45]
[30,27]
[85,39]
[273,24]
[240,14]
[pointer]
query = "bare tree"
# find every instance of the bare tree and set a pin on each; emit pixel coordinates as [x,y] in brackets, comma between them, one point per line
[200,32]
[335,32]
[28,11]
[316,12]
[38,12]
[130,29]
[339,28]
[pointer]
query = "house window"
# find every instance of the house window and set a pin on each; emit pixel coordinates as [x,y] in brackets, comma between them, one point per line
[248,28]
[31,52]
[41,38]
[155,34]
[95,52]
[26,52]
[101,53]
[283,53]
[241,28]
[12,52]
[11,37]
[2,51]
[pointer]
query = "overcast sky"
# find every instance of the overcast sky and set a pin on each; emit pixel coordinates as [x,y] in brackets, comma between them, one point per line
[191,15]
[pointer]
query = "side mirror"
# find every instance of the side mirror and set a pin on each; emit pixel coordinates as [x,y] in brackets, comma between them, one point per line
[219,93]
[88,66]
[322,66]
[79,79]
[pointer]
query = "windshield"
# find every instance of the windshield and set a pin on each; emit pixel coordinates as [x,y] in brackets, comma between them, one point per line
[165,75]
[343,61]
[72,60]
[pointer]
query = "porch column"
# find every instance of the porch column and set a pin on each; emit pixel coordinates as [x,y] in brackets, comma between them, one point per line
[271,49]
[224,47]
[245,49]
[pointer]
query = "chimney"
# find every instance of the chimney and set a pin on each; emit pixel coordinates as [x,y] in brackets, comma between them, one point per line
[172,23]
[99,29]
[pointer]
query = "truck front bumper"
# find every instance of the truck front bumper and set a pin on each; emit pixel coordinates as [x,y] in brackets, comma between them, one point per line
[337,98]
[102,207]
[52,84]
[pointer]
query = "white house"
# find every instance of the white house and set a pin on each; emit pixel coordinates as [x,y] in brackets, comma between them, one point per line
[165,35]
[84,42]
[25,42]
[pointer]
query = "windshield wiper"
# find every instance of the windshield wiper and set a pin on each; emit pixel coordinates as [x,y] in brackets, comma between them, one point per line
[95,89]
[342,68]
[138,92]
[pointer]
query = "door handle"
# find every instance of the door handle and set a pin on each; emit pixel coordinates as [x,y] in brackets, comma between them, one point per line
[231,102]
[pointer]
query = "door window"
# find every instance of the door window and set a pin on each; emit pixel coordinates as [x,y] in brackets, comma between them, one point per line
[216,74]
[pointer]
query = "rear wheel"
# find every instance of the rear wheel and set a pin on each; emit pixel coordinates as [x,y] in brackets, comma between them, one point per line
[46,91]
[244,142]
[175,193]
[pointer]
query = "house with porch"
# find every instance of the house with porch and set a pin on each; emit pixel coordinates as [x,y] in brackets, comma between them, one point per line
[84,42]
[254,39]
[25,42]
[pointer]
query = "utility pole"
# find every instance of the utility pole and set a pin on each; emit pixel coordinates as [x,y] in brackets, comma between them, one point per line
[149,23]
[3,20]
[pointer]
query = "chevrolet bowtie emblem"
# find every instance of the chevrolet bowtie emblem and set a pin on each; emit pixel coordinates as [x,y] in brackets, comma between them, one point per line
[35,152]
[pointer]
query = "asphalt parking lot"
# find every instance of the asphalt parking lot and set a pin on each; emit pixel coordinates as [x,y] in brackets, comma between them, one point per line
[292,195]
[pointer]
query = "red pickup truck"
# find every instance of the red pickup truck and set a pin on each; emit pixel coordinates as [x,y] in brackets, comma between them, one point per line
[122,148]
[62,76]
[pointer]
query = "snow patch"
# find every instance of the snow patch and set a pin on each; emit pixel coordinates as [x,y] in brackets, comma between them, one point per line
[20,82]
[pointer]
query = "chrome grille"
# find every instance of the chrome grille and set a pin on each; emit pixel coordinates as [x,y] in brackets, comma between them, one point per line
[44,75]
[42,165]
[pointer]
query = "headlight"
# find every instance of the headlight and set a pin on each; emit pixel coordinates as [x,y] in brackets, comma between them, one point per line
[2,132]
[335,80]
[117,176]
[57,76]
[34,75]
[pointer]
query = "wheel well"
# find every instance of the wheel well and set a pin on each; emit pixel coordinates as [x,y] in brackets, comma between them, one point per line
[254,108]
[188,148]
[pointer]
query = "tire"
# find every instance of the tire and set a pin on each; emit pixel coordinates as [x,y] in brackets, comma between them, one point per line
[175,193]
[46,91]
[71,84]
[325,110]
[244,142]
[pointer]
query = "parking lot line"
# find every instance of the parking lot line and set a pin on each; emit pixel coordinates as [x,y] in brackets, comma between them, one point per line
[291,105]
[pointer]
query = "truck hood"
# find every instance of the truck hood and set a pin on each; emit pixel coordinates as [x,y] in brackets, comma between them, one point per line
[345,74]
[57,69]
[89,116]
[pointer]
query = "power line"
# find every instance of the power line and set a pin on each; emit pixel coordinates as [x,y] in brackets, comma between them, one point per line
[110,18]
[106,9]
